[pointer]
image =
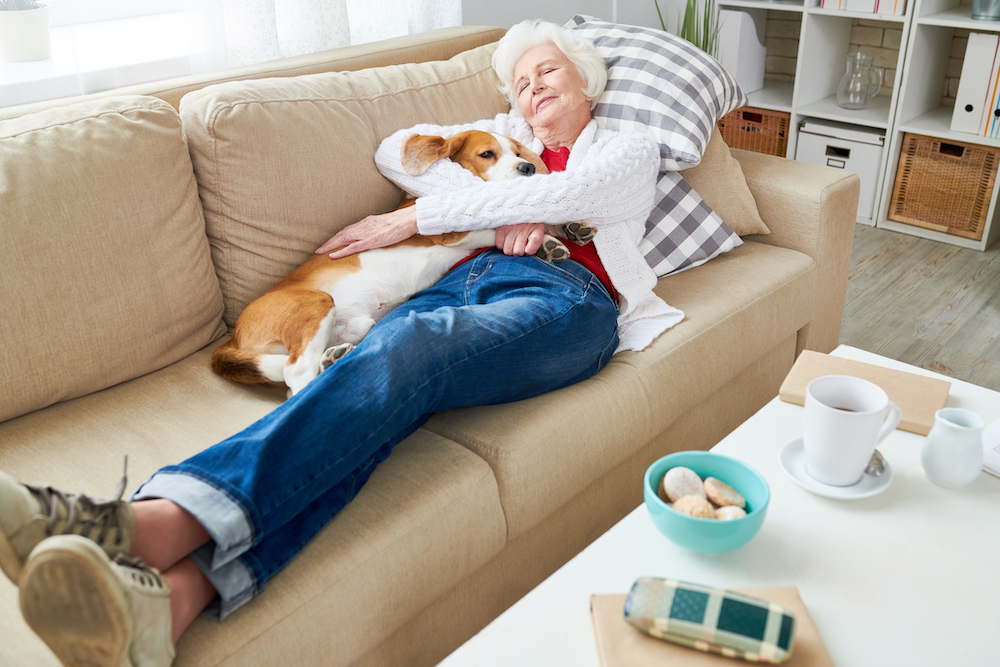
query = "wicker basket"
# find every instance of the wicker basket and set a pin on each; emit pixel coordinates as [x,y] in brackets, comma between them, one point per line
[758,130]
[944,185]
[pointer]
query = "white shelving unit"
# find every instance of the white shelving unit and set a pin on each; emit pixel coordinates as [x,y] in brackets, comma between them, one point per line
[915,106]
[823,44]
[920,111]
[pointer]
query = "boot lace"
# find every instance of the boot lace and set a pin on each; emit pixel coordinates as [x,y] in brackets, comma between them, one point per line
[140,572]
[77,506]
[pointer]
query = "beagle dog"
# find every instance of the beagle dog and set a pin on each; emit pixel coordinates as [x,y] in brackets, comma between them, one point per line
[323,309]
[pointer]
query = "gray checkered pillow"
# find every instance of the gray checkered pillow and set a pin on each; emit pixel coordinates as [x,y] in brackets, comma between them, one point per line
[682,231]
[661,85]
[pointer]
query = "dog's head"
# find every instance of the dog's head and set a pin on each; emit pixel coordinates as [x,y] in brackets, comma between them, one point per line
[491,157]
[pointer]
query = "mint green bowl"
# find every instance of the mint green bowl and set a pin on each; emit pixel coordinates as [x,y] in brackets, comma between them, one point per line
[708,536]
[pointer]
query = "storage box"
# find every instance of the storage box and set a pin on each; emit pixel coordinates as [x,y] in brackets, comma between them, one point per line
[758,130]
[944,185]
[849,147]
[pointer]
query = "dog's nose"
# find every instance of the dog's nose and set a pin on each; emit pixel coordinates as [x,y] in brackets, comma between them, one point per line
[526,169]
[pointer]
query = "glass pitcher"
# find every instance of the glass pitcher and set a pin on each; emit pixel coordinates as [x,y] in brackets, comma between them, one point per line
[860,83]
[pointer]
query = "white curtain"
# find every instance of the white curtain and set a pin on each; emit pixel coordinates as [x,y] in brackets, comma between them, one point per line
[260,30]
[109,44]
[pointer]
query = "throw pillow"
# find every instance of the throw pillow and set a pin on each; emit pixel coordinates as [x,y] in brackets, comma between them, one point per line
[720,181]
[661,85]
[682,232]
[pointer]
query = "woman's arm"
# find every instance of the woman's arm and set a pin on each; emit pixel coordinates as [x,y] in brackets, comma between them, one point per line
[374,231]
[616,179]
[379,231]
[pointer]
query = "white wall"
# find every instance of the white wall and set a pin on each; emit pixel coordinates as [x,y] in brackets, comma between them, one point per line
[505,13]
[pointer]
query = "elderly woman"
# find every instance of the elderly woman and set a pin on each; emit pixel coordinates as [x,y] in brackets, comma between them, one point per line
[502,326]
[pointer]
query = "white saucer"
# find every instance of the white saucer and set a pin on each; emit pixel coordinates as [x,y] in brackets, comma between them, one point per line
[793,460]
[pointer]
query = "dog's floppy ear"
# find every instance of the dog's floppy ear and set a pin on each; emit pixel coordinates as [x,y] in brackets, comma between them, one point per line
[420,151]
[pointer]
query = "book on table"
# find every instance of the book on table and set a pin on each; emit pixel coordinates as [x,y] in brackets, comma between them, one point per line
[918,396]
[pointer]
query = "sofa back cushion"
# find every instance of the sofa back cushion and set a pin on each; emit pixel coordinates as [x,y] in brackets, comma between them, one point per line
[283,164]
[107,273]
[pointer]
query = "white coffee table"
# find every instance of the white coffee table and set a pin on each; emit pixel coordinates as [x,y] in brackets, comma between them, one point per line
[907,577]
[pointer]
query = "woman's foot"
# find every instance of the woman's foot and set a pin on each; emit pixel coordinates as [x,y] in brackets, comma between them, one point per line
[30,514]
[92,610]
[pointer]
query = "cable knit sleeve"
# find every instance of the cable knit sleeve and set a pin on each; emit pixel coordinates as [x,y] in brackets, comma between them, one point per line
[614,180]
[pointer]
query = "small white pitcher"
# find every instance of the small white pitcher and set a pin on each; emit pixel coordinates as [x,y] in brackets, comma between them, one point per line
[953,451]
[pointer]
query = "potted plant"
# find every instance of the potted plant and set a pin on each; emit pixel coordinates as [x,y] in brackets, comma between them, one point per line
[698,26]
[24,31]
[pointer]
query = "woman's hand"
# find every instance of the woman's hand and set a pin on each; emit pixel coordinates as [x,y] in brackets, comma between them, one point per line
[521,239]
[375,231]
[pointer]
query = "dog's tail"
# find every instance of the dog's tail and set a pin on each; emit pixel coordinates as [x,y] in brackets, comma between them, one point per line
[238,365]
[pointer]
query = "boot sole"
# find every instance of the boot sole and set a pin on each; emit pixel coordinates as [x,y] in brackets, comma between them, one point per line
[10,562]
[70,598]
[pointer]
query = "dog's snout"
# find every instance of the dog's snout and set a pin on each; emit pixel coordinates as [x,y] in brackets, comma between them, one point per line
[526,169]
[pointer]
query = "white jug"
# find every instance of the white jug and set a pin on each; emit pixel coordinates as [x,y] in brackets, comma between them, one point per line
[953,451]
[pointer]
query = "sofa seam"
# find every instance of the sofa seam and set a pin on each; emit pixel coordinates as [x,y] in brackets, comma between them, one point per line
[227,106]
[109,112]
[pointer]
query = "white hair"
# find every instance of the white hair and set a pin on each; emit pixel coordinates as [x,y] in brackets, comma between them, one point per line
[528,34]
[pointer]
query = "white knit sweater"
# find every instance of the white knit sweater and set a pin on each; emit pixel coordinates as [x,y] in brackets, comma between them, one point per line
[610,181]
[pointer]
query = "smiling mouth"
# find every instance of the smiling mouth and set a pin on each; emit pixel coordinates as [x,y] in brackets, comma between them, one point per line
[543,102]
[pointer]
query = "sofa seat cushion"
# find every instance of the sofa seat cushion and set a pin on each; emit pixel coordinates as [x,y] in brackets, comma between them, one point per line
[107,270]
[285,163]
[547,449]
[428,517]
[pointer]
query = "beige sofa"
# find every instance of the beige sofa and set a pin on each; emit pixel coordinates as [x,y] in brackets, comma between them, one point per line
[133,235]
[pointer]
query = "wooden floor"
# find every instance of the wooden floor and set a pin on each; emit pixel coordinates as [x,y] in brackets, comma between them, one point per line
[930,304]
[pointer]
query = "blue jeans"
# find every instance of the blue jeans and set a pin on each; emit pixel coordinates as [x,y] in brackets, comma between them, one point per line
[496,329]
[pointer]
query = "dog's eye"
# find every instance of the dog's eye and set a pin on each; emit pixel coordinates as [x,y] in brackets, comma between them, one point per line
[486,155]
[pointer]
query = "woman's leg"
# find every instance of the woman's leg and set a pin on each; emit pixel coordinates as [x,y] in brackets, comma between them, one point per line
[524,327]
[502,330]
[499,329]
[164,536]
[165,533]
[190,593]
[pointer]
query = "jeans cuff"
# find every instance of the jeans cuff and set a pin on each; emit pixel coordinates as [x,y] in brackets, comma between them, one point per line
[234,582]
[223,517]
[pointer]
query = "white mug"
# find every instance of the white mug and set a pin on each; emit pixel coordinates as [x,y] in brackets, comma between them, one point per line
[845,419]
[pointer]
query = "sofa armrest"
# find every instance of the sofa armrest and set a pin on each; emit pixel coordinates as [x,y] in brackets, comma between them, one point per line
[811,209]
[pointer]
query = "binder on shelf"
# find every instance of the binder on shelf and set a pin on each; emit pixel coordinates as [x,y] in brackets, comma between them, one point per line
[974,84]
[989,122]
[741,46]
[894,7]
[861,5]
[993,126]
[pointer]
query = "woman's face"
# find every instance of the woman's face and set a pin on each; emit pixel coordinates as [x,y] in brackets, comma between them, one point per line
[549,87]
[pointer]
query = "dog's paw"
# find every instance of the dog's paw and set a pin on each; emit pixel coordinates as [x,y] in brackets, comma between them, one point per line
[580,232]
[333,355]
[552,250]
